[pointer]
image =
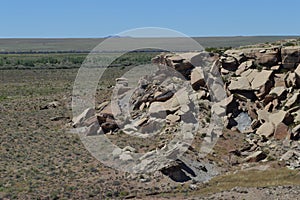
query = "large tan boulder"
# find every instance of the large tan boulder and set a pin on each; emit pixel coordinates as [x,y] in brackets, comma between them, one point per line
[261,81]
[260,78]
[281,116]
[239,83]
[197,78]
[266,129]
[290,56]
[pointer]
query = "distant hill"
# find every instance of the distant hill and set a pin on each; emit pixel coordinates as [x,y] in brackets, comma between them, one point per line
[87,44]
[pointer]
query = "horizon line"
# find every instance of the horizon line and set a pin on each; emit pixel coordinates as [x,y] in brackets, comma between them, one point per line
[116,36]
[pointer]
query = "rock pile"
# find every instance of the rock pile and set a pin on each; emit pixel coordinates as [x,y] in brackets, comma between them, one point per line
[261,100]
[262,85]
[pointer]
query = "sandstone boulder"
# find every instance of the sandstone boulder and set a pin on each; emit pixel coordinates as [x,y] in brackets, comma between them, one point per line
[197,78]
[239,83]
[266,129]
[280,116]
[244,66]
[290,57]
[260,78]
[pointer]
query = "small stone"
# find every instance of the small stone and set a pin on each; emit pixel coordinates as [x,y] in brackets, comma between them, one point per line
[255,157]
[287,156]
[173,118]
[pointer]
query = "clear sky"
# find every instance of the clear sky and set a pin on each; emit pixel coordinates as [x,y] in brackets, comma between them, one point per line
[97,18]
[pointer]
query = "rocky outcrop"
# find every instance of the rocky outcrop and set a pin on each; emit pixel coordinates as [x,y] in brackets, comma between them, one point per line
[258,97]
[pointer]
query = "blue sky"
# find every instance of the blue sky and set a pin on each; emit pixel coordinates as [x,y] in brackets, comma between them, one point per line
[96,18]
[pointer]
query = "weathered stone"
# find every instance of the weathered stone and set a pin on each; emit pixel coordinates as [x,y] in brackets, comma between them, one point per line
[280,92]
[172,118]
[90,120]
[279,80]
[104,117]
[260,78]
[255,124]
[122,82]
[151,127]
[140,122]
[240,83]
[103,105]
[52,104]
[275,68]
[255,157]
[293,100]
[129,149]
[243,122]
[159,109]
[197,78]
[142,106]
[266,129]
[297,73]
[229,63]
[226,106]
[244,66]
[122,89]
[290,79]
[164,96]
[125,156]
[109,126]
[263,115]
[269,98]
[288,155]
[93,129]
[182,63]
[237,54]
[263,56]
[78,120]
[281,131]
[290,57]
[280,116]
[296,133]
